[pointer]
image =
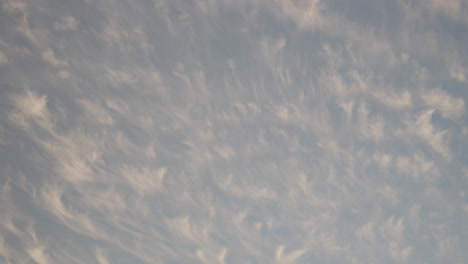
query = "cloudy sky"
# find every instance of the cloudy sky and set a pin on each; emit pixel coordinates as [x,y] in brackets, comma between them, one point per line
[233,131]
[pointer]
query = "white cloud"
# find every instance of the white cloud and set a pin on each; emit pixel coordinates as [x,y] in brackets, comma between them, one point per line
[414,217]
[49,56]
[118,105]
[450,106]
[348,109]
[306,14]
[334,84]
[184,228]
[39,255]
[75,169]
[66,23]
[14,5]
[101,257]
[393,229]
[30,108]
[383,159]
[417,167]
[32,105]
[399,253]
[211,256]
[448,248]
[96,112]
[51,198]
[64,74]
[107,200]
[248,190]
[366,232]
[250,89]
[290,257]
[225,152]
[390,194]
[370,127]
[116,76]
[144,179]
[450,8]
[3,58]
[458,73]
[423,128]
[73,156]
[394,100]
[150,152]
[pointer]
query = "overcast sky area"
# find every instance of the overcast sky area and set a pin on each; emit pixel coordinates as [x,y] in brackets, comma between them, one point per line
[233,131]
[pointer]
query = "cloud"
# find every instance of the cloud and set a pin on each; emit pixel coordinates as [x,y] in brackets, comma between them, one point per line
[414,216]
[32,105]
[66,23]
[417,167]
[281,257]
[394,100]
[116,76]
[206,256]
[188,231]
[74,156]
[144,179]
[12,5]
[97,112]
[398,253]
[101,257]
[19,240]
[383,159]
[225,152]
[3,58]
[306,14]
[48,55]
[232,131]
[370,127]
[38,255]
[107,200]
[448,248]
[450,106]
[347,107]
[422,127]
[390,194]
[366,232]
[458,73]
[450,8]
[393,229]
[30,108]
[247,190]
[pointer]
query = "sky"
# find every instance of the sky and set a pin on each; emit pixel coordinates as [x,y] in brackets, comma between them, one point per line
[222,131]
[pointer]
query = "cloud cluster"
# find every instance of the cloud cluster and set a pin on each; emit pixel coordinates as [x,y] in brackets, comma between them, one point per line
[233,132]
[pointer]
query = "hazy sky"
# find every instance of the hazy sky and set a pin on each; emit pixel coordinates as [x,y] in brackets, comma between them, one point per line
[233,131]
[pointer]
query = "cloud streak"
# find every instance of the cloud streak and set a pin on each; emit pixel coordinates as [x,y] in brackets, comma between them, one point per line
[233,132]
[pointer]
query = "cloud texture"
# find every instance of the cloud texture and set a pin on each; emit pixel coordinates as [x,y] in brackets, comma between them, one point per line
[233,131]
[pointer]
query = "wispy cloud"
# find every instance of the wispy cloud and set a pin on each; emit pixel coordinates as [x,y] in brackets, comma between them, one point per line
[97,112]
[282,257]
[402,100]
[3,58]
[450,106]
[48,55]
[31,107]
[232,131]
[370,127]
[422,127]
[144,179]
[418,167]
[66,23]
[101,257]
